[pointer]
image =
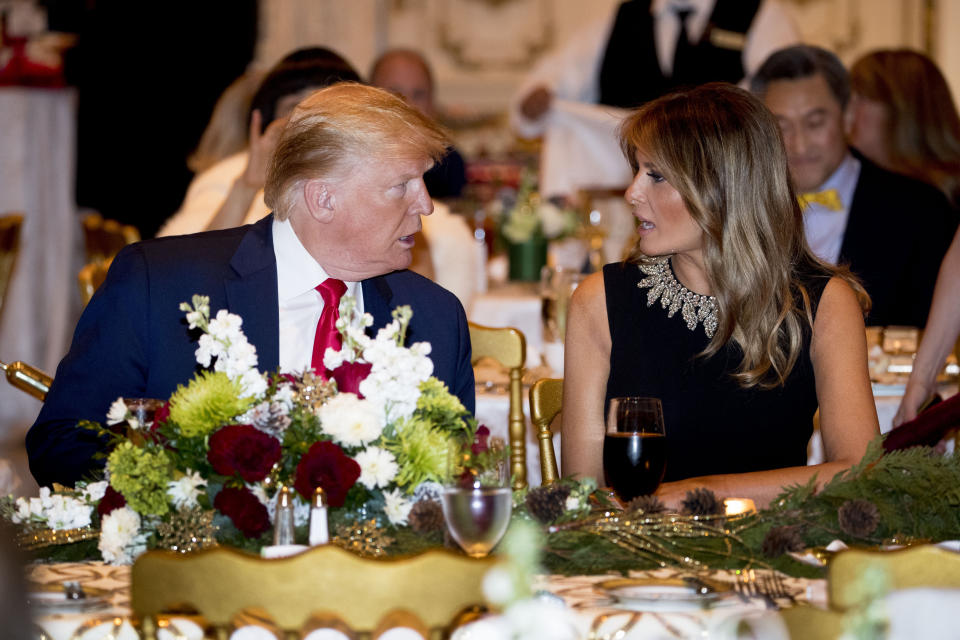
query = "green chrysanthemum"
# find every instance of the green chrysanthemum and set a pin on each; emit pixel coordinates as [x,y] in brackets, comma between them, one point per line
[141,476]
[440,407]
[210,401]
[421,450]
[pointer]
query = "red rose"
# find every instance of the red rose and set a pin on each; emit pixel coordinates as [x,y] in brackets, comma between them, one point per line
[349,375]
[242,507]
[245,450]
[326,465]
[111,500]
[480,440]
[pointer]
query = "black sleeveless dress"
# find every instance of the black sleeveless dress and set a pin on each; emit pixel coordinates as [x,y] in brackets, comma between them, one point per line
[713,426]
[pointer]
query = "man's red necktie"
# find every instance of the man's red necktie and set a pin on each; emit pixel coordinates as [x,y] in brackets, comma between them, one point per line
[331,290]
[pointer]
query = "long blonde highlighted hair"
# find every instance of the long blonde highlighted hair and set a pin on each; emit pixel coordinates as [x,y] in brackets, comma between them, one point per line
[923,136]
[721,149]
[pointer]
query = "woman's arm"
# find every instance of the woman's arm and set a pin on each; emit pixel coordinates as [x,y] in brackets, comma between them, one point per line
[848,415]
[586,367]
[245,188]
[943,326]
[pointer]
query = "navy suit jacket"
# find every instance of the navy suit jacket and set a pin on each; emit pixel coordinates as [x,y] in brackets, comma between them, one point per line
[897,233]
[132,339]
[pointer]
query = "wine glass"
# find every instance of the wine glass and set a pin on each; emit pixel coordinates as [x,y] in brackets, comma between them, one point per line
[477,497]
[635,447]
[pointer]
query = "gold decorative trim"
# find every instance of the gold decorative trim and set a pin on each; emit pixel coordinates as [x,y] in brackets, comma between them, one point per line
[39,539]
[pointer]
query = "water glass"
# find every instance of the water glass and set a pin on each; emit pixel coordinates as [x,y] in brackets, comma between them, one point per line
[477,498]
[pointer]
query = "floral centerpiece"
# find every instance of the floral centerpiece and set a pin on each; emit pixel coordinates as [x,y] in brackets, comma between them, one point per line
[526,222]
[209,467]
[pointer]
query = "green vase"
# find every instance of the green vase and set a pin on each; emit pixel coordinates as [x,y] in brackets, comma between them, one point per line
[527,259]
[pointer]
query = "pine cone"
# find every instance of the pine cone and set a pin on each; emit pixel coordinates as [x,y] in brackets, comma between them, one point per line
[548,503]
[702,502]
[859,518]
[426,516]
[649,505]
[780,540]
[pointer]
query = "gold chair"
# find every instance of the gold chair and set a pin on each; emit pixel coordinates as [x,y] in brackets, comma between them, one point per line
[919,566]
[507,346]
[10,225]
[104,238]
[324,583]
[546,401]
[90,278]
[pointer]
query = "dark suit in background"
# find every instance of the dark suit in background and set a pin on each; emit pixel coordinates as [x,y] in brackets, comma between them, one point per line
[897,233]
[133,341]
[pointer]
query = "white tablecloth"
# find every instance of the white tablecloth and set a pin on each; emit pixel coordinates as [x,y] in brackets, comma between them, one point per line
[37,158]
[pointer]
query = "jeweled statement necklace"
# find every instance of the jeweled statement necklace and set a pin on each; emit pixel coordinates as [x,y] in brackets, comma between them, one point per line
[674,297]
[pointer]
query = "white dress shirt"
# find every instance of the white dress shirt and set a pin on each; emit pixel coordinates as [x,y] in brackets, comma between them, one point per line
[825,228]
[300,303]
[572,72]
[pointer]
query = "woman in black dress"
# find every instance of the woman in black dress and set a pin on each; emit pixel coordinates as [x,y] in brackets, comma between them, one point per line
[722,311]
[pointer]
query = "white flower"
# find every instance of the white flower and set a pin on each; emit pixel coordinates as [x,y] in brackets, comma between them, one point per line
[541,619]
[67,513]
[350,421]
[121,540]
[498,586]
[253,384]
[94,491]
[117,412]
[398,507]
[241,357]
[553,220]
[572,503]
[226,326]
[193,319]
[378,467]
[207,349]
[185,491]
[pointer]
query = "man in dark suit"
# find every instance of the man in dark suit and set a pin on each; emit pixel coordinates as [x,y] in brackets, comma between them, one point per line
[892,231]
[346,188]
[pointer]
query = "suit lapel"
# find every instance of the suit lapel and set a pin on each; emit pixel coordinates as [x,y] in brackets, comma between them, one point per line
[377,295]
[252,292]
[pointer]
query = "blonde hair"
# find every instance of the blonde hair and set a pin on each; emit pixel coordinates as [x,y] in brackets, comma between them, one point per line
[337,127]
[226,133]
[721,149]
[923,136]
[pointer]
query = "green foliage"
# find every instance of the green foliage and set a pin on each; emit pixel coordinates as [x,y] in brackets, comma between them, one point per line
[141,475]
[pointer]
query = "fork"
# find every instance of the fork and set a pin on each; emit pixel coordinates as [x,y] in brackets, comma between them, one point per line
[774,585]
[748,588]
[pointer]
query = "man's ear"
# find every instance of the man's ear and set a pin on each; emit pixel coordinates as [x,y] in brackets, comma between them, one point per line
[319,199]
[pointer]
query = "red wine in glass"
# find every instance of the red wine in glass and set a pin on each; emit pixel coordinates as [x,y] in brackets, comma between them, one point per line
[634,463]
[634,447]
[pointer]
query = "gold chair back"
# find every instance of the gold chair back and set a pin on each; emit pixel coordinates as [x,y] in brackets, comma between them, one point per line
[546,401]
[90,278]
[507,346]
[325,583]
[10,225]
[919,566]
[104,238]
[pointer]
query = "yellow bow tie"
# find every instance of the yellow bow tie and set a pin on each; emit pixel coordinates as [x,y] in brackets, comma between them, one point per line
[828,199]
